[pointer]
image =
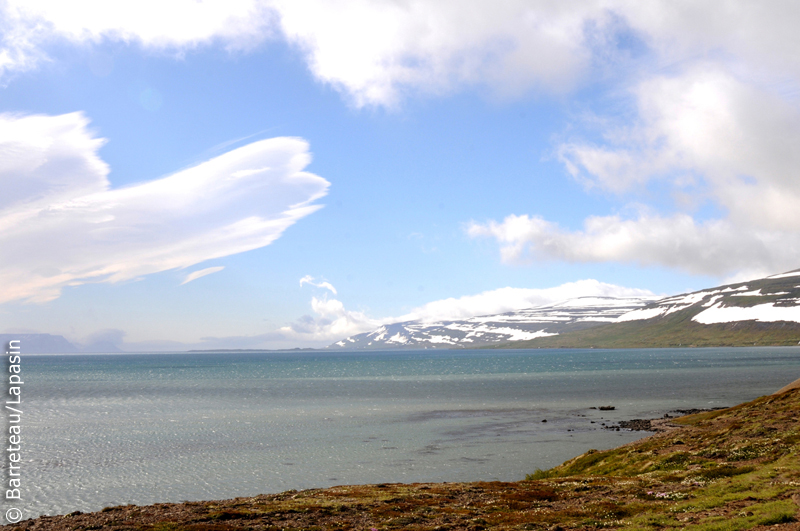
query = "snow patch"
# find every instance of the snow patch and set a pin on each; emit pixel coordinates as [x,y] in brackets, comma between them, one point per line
[688,300]
[762,312]
[637,315]
[442,339]
[398,338]
[786,275]
[747,293]
[712,301]
[522,335]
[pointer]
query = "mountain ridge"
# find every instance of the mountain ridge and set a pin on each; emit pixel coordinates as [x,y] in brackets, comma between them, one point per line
[762,312]
[527,324]
[40,343]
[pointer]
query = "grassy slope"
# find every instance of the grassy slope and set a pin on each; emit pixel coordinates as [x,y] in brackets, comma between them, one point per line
[737,468]
[678,329]
[674,330]
[731,469]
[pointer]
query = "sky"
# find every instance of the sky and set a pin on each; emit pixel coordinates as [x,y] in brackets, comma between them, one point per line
[183,174]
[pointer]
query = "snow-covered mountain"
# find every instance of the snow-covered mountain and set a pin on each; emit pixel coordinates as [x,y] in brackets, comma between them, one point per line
[772,299]
[573,314]
[764,312]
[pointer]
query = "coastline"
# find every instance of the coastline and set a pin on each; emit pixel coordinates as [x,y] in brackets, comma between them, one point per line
[738,466]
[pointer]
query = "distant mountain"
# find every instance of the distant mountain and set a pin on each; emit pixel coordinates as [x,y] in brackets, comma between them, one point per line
[573,314]
[39,343]
[760,312]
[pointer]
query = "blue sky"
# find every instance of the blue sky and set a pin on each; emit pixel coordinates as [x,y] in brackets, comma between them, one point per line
[267,174]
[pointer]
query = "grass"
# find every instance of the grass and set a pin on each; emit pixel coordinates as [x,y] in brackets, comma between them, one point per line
[727,469]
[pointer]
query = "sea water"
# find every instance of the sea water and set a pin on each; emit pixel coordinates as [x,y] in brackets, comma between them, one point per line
[104,430]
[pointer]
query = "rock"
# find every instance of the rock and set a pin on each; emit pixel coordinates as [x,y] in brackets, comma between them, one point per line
[634,425]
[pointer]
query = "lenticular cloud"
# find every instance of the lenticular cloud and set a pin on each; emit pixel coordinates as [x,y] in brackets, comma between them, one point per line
[61,224]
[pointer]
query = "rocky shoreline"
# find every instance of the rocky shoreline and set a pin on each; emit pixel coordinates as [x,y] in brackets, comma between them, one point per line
[657,425]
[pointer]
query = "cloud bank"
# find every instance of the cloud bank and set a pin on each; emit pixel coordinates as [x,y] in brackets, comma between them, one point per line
[372,51]
[509,299]
[715,247]
[67,226]
[375,52]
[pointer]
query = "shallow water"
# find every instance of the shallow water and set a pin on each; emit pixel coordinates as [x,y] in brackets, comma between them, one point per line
[106,430]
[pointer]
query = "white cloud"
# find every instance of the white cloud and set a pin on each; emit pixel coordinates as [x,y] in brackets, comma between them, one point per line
[737,139]
[68,227]
[716,247]
[308,279]
[376,51]
[509,299]
[704,134]
[29,26]
[737,31]
[201,273]
[334,322]
[714,89]
[372,50]
[331,322]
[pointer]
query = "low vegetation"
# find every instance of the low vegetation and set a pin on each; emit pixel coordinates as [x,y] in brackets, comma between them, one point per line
[737,468]
[674,330]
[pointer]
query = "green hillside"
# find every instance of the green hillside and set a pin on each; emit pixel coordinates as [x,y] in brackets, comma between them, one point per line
[675,328]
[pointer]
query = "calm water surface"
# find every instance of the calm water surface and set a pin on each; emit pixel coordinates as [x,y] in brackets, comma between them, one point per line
[103,430]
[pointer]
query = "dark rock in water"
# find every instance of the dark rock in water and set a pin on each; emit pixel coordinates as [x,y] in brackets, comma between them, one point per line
[545,420]
[607,408]
[635,425]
